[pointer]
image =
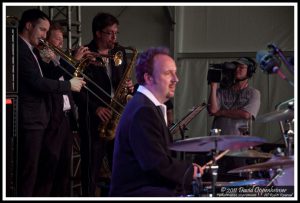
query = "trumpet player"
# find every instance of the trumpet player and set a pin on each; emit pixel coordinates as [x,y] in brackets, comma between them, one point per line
[34,99]
[92,111]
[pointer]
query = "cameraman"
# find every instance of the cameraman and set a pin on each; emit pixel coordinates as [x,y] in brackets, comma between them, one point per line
[235,106]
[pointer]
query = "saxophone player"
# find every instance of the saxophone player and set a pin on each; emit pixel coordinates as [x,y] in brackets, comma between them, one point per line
[92,111]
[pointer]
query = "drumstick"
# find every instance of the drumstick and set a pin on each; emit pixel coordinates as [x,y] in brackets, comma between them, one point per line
[217,158]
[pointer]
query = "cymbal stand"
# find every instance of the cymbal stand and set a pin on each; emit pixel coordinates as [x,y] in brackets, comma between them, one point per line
[182,130]
[288,135]
[214,167]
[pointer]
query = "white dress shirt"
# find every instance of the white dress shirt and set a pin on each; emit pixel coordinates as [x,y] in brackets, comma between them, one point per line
[142,89]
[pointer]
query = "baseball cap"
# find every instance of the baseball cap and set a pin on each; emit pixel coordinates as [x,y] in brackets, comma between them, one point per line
[242,60]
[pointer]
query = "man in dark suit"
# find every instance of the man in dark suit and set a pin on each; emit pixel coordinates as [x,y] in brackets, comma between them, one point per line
[34,105]
[55,163]
[91,110]
[142,162]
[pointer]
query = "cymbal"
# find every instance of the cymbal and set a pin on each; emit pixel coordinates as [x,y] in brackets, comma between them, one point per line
[280,115]
[258,182]
[276,162]
[220,142]
[250,154]
[208,184]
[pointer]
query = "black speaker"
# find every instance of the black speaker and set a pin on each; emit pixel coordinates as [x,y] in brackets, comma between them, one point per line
[12,59]
[11,144]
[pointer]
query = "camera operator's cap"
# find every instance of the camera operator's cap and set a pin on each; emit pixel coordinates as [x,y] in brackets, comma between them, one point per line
[242,61]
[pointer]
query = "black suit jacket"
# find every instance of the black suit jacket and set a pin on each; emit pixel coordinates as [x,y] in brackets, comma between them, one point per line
[34,90]
[141,154]
[52,71]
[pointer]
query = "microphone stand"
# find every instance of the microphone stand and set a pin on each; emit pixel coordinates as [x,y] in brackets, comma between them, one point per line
[276,50]
[181,125]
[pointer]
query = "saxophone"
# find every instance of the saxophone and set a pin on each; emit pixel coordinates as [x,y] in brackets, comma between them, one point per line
[121,96]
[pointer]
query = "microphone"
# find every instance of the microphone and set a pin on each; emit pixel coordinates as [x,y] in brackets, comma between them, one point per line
[270,64]
[267,62]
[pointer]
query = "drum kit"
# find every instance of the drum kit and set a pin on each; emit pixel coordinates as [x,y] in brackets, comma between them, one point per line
[279,168]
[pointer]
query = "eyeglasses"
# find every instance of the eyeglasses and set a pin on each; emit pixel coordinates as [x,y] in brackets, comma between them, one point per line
[111,33]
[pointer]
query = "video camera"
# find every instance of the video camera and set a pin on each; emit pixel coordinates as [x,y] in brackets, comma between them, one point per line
[223,73]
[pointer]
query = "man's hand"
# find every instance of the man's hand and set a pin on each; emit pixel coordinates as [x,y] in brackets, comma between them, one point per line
[214,85]
[47,55]
[213,107]
[129,86]
[197,170]
[104,113]
[81,52]
[76,84]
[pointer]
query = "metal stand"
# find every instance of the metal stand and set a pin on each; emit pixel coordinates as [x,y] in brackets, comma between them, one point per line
[289,140]
[278,51]
[75,165]
[182,131]
[288,135]
[214,167]
[279,173]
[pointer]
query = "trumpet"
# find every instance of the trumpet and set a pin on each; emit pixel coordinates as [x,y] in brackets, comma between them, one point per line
[79,67]
[117,57]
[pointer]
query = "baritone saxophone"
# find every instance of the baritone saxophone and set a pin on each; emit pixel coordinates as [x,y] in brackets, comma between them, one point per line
[122,96]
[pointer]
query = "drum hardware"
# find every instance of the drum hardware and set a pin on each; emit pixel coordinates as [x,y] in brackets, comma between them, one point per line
[215,143]
[197,185]
[279,173]
[289,140]
[287,135]
[213,166]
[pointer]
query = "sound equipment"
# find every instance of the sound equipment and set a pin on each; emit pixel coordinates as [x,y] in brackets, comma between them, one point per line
[12,59]
[11,144]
